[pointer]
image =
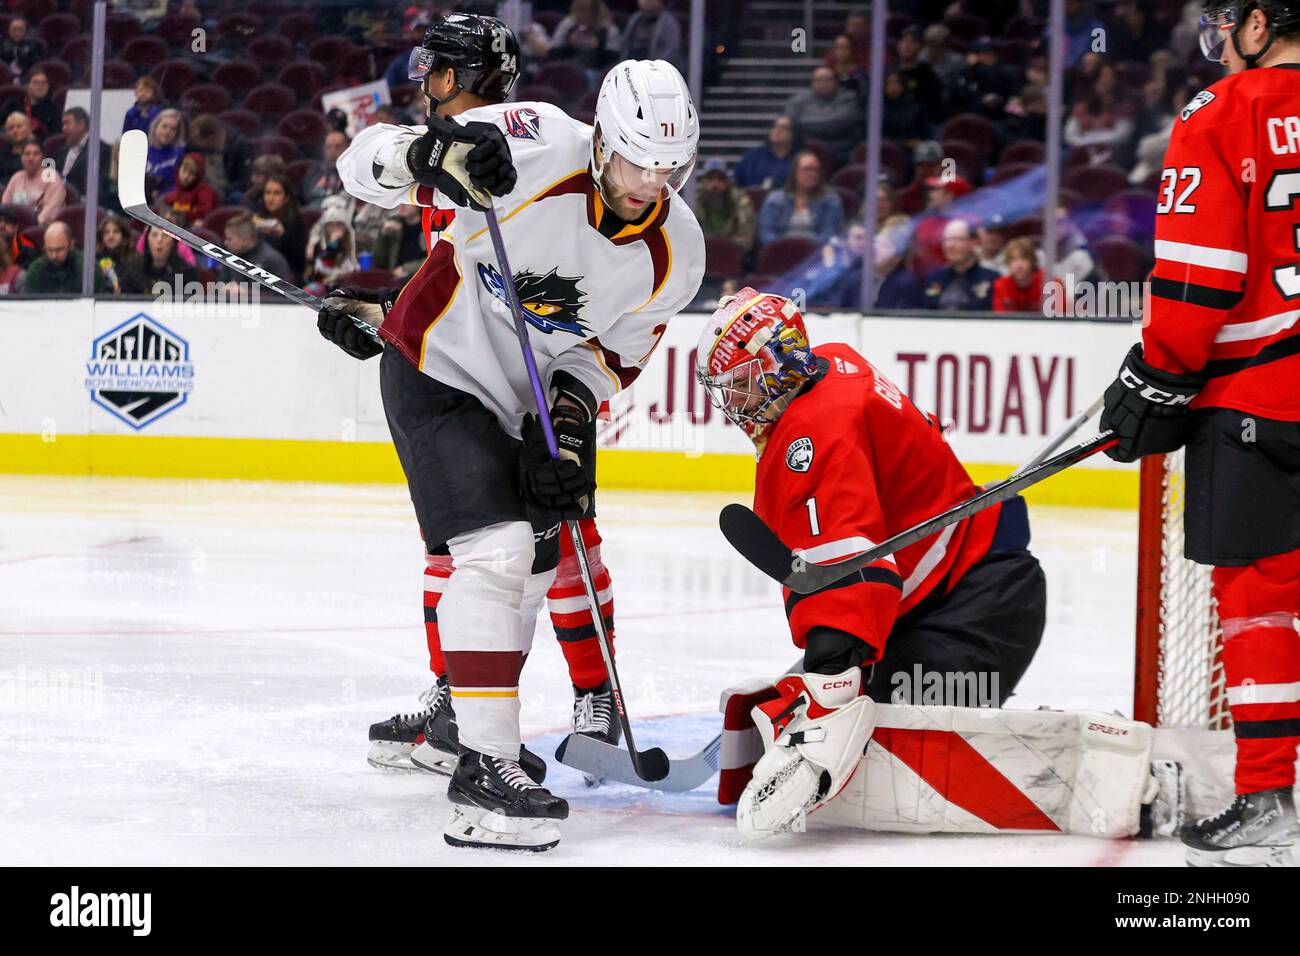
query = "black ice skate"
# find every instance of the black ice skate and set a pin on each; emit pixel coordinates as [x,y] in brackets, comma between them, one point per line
[394,741]
[495,804]
[1257,829]
[439,746]
[593,716]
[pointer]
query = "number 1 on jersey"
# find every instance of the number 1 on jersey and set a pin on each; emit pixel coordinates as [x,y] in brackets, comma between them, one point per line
[813,523]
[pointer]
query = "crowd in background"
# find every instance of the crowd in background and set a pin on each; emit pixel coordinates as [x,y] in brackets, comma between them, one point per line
[241,151]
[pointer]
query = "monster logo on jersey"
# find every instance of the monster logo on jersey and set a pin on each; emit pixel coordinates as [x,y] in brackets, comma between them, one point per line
[551,302]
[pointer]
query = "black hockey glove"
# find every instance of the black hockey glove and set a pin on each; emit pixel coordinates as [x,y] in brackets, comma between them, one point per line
[1148,408]
[564,484]
[460,161]
[344,308]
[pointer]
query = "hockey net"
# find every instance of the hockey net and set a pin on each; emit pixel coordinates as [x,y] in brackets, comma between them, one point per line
[1179,679]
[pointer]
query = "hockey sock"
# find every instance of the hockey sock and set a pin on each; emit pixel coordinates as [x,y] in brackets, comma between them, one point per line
[571,612]
[436,573]
[1258,607]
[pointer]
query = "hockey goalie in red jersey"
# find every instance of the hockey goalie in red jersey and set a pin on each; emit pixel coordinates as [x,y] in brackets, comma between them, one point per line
[845,460]
[1218,370]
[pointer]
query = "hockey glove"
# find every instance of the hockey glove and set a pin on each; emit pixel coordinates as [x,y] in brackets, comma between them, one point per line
[344,309]
[563,484]
[465,163]
[1148,408]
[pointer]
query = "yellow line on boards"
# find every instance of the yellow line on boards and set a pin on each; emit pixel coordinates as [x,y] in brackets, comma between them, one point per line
[166,456]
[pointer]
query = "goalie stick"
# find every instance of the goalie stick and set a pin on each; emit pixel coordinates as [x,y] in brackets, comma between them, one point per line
[133,165]
[760,545]
[649,765]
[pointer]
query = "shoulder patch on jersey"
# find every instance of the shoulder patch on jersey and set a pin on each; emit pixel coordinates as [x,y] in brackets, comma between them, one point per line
[799,456]
[523,123]
[845,367]
[1202,98]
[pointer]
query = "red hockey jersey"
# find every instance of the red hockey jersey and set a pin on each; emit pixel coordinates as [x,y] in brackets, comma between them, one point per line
[1225,290]
[851,462]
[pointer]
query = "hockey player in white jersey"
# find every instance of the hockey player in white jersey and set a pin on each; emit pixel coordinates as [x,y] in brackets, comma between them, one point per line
[605,254]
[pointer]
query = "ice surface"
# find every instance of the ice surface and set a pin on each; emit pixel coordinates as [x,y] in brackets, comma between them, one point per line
[188,669]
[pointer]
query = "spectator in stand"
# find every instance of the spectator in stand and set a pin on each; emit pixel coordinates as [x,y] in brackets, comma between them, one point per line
[847,72]
[1103,121]
[322,180]
[396,73]
[828,112]
[945,62]
[905,121]
[192,198]
[38,105]
[992,243]
[278,220]
[588,36]
[857,30]
[245,240]
[1026,115]
[1021,289]
[367,220]
[768,165]
[401,245]
[161,264]
[227,156]
[21,249]
[962,284]
[331,250]
[39,189]
[1082,28]
[167,139]
[18,51]
[58,271]
[72,159]
[18,130]
[805,206]
[987,83]
[722,208]
[262,169]
[113,252]
[652,33]
[147,106]
[897,287]
[11,274]
[886,202]
[927,241]
[918,76]
[1132,33]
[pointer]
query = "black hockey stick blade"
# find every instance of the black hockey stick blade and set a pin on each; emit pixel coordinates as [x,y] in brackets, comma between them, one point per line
[658,770]
[132,165]
[759,544]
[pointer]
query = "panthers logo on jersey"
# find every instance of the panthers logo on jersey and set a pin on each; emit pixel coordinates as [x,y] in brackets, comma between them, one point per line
[551,302]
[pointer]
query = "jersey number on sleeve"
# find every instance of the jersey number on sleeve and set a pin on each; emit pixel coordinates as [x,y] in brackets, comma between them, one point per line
[813,524]
[1168,179]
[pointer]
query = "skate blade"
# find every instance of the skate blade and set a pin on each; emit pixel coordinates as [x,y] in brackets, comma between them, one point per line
[387,755]
[1244,856]
[485,829]
[428,759]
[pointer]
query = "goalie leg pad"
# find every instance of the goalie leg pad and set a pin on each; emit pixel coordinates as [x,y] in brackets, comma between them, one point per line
[814,734]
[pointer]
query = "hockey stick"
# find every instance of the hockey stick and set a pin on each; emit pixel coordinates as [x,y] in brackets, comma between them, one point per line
[1064,435]
[760,546]
[649,764]
[132,166]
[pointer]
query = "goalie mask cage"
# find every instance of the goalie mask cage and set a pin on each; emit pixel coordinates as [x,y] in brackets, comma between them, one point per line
[1179,679]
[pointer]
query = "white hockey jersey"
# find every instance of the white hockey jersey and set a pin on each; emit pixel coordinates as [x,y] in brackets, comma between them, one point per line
[597,292]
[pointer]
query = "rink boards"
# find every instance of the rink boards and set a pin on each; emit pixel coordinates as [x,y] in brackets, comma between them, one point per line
[136,388]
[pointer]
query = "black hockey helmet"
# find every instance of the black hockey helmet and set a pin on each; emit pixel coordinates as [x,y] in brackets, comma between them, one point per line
[1221,19]
[481,49]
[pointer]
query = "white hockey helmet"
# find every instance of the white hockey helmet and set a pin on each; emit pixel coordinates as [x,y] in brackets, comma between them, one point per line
[645,118]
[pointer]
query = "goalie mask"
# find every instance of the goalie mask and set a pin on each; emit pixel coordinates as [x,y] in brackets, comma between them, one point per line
[753,358]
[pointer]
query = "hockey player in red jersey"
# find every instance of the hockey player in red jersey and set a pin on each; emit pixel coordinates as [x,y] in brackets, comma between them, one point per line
[844,461]
[1218,370]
